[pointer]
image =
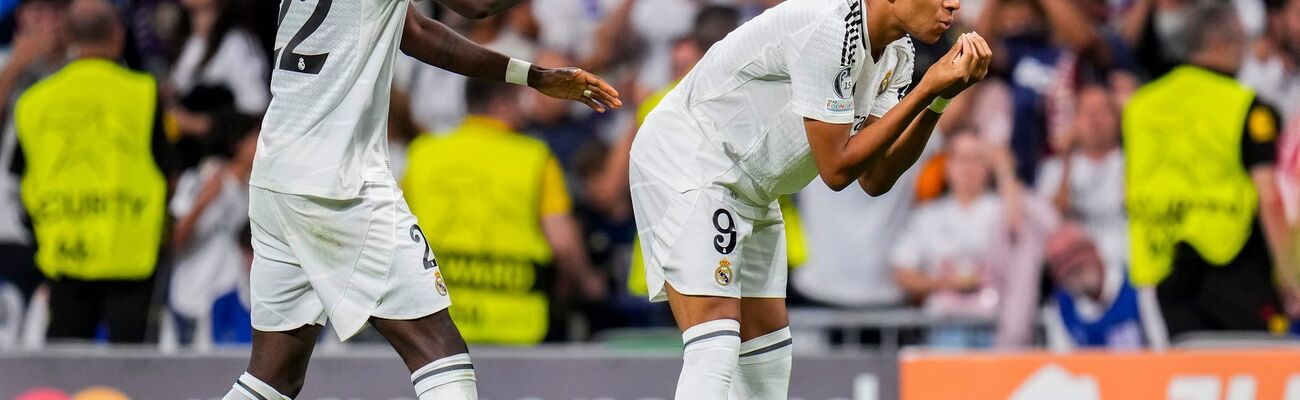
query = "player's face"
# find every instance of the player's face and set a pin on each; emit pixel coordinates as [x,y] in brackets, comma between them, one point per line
[926,20]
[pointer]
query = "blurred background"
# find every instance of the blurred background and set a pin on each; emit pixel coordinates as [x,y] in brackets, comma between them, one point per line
[1064,231]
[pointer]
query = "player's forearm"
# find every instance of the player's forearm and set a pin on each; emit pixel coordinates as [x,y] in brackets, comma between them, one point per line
[435,44]
[901,156]
[868,148]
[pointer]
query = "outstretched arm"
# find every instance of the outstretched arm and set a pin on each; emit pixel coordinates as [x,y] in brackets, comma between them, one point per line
[435,44]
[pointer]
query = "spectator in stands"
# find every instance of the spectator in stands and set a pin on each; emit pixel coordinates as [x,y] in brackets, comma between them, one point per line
[1085,180]
[1207,225]
[1092,303]
[92,181]
[565,129]
[495,204]
[221,52]
[958,258]
[37,51]
[1272,64]
[210,206]
[1034,42]
[220,76]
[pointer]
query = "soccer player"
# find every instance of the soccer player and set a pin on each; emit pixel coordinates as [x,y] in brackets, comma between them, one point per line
[333,238]
[808,87]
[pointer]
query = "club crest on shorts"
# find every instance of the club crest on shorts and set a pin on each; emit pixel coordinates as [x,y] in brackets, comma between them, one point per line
[884,83]
[438,283]
[723,274]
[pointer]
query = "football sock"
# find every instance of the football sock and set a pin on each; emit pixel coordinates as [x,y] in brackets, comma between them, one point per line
[248,387]
[709,360]
[449,378]
[764,365]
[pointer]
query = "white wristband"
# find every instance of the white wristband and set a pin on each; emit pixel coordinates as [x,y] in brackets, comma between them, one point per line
[939,104]
[517,71]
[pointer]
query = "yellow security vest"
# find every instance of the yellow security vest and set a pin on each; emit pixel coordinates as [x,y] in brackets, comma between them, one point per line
[1184,176]
[476,190]
[91,185]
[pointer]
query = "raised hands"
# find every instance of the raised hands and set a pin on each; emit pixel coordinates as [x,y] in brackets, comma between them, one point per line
[966,64]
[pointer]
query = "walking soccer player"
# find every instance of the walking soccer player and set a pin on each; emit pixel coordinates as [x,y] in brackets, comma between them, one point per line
[333,238]
[808,88]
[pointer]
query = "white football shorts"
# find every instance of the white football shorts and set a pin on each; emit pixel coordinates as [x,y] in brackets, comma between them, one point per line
[707,242]
[341,260]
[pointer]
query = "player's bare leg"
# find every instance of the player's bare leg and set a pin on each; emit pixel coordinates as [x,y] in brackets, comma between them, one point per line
[765,350]
[435,353]
[711,334]
[278,366]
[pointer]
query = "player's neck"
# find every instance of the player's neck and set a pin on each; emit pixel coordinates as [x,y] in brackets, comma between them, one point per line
[883,27]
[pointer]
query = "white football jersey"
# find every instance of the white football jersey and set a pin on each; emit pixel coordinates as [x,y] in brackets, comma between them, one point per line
[736,119]
[325,131]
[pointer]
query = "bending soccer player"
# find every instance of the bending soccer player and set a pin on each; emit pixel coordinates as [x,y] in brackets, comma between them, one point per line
[332,237]
[812,87]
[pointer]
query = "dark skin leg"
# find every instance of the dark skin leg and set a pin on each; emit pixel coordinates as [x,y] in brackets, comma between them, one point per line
[280,358]
[422,340]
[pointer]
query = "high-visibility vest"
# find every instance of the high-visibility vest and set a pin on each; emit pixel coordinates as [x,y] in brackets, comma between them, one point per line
[1184,180]
[476,191]
[92,187]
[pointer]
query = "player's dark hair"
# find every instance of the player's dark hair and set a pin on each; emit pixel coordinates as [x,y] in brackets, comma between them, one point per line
[1210,21]
[481,94]
[712,24]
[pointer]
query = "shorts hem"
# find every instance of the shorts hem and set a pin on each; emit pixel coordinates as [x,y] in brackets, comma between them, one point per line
[415,315]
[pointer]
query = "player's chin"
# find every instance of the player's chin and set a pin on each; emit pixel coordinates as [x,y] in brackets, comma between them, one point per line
[929,36]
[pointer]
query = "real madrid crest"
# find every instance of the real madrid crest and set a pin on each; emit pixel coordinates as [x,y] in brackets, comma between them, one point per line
[884,83]
[723,275]
[437,282]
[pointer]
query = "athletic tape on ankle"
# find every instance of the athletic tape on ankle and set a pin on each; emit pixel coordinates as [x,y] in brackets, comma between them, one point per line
[718,328]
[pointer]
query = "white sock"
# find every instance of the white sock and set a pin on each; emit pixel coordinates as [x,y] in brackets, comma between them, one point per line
[709,360]
[764,366]
[248,387]
[449,378]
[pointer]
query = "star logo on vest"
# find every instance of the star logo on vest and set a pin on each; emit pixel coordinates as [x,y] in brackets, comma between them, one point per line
[438,282]
[723,275]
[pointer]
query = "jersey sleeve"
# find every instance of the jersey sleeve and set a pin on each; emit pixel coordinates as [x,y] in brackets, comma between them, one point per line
[820,71]
[554,199]
[1259,146]
[898,81]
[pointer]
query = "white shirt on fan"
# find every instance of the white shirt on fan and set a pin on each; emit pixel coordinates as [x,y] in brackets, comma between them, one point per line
[736,120]
[325,133]
[1096,198]
[238,64]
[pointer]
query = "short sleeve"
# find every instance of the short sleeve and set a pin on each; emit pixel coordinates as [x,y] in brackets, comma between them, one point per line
[1259,146]
[554,199]
[820,70]
[899,78]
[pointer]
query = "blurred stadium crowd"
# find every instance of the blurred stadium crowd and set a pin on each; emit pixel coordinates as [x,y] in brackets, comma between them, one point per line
[1013,230]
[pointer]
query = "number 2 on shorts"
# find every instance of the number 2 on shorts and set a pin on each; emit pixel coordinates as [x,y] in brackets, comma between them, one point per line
[726,242]
[429,261]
